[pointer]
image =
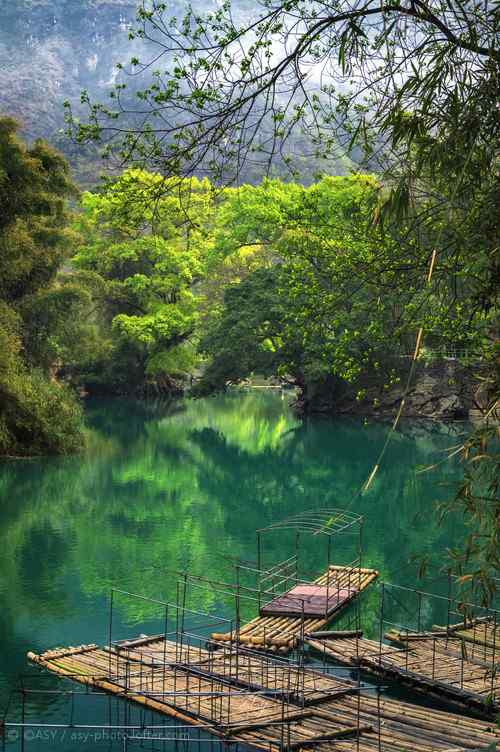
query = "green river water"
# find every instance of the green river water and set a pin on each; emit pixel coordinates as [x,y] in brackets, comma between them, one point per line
[168,487]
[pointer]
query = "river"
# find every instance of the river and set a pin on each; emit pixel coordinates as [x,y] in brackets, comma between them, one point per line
[167,487]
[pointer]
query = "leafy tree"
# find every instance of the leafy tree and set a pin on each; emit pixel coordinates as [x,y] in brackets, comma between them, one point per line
[246,336]
[235,89]
[37,414]
[146,246]
[324,237]
[398,72]
[340,296]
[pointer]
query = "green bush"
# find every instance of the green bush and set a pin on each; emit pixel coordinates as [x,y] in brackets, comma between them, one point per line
[38,416]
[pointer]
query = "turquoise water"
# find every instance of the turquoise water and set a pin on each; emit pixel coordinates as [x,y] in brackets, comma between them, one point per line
[168,487]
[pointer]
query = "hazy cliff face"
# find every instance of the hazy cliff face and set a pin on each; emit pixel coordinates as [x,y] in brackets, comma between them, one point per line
[52,49]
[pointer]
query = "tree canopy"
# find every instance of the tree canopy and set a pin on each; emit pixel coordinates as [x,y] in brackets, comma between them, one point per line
[337,295]
[227,87]
[37,414]
[146,244]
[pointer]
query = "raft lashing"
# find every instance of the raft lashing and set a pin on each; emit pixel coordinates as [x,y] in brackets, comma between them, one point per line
[258,700]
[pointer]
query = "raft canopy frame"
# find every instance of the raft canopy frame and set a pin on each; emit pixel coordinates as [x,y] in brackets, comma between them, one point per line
[304,599]
[317,522]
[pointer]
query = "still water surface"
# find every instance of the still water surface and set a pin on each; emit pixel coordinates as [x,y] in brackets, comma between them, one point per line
[185,486]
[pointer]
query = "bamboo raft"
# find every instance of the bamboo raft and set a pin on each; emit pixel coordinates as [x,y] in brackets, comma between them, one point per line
[480,632]
[280,634]
[207,690]
[441,664]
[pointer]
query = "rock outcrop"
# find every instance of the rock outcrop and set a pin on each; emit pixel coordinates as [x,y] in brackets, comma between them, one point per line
[445,390]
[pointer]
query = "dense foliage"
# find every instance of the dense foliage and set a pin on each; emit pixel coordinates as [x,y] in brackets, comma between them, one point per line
[276,279]
[145,246]
[337,296]
[38,312]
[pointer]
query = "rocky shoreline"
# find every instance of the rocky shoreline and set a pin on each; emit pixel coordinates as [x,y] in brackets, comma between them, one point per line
[444,391]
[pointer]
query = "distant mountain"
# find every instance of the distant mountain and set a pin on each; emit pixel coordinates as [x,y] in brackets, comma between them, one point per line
[52,49]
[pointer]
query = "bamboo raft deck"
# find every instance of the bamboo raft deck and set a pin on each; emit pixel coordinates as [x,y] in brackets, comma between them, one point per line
[441,664]
[232,694]
[280,634]
[481,632]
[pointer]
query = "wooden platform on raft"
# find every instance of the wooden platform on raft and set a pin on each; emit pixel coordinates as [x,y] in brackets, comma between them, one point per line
[442,665]
[309,601]
[207,690]
[280,633]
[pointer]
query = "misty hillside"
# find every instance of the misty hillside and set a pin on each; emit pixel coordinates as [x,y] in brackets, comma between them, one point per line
[52,49]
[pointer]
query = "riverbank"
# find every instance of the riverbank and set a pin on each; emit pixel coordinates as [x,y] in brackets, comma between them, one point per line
[442,391]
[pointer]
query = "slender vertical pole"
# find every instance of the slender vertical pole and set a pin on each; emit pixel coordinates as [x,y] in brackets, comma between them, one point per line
[238,620]
[407,649]
[493,657]
[358,708]
[110,628]
[177,624]
[448,608]
[259,567]
[378,717]
[127,687]
[184,590]
[381,626]
[282,740]
[165,630]
[297,536]
[360,544]
[23,718]
[360,558]
[231,648]
[462,652]
[301,651]
[328,555]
